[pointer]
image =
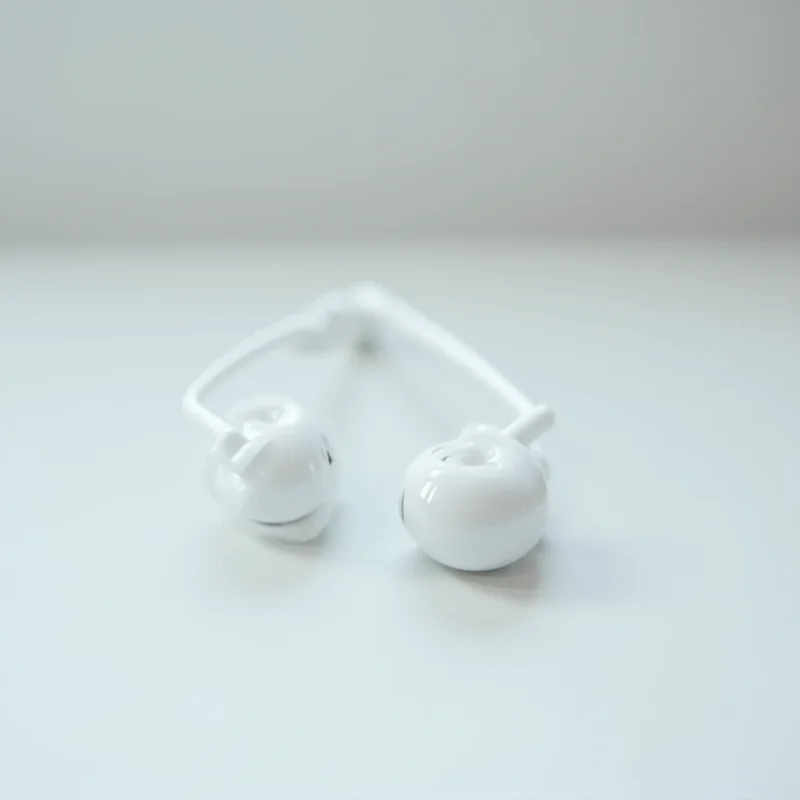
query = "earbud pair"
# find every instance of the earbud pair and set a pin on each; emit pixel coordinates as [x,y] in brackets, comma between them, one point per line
[478,502]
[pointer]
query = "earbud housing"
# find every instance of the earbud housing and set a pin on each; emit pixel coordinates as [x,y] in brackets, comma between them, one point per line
[281,470]
[478,502]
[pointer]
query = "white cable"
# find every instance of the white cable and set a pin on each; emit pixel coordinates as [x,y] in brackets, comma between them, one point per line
[383,308]
[265,339]
[534,419]
[441,342]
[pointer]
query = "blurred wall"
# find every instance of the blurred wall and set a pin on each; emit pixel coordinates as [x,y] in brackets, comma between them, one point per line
[170,120]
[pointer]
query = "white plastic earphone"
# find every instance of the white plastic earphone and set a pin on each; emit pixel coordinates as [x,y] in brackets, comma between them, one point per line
[478,502]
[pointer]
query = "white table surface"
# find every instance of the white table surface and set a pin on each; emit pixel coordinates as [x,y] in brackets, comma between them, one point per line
[650,650]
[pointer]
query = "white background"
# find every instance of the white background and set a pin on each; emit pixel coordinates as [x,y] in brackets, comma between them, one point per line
[251,120]
[651,650]
[651,647]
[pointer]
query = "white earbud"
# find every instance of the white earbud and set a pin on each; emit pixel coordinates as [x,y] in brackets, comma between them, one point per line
[477,503]
[275,467]
[272,463]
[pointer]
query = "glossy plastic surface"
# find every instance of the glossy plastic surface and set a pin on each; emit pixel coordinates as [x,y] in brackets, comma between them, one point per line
[476,503]
[282,474]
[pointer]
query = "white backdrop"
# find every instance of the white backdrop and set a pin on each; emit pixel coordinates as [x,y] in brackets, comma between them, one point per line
[169,120]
